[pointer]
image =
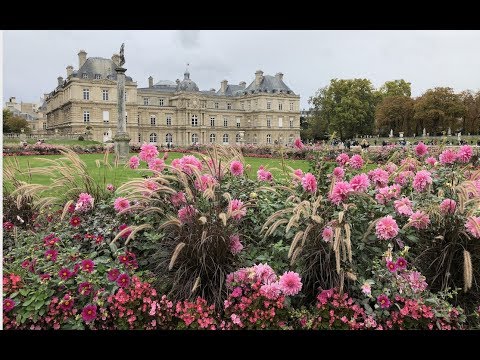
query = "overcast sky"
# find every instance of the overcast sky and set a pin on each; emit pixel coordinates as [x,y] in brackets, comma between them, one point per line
[32,60]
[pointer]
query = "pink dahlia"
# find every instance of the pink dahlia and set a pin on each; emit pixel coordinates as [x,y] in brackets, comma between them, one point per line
[235,244]
[85,288]
[110,187]
[431,161]
[473,226]
[379,177]
[383,301]
[237,209]
[236,168]
[421,180]
[148,152]
[421,149]
[390,168]
[51,255]
[89,313]
[156,164]
[66,303]
[84,202]
[123,280]
[338,172]
[298,144]
[309,183]
[403,206]
[409,164]
[465,153]
[360,183]
[271,291]
[298,173]
[121,204]
[205,182]
[65,274]
[327,234]
[264,273]
[403,177]
[178,199]
[187,214]
[290,283]
[419,220]
[151,185]
[264,175]
[356,162]
[391,266]
[386,228]
[387,193]
[340,192]
[113,274]
[401,263]
[134,162]
[342,159]
[188,163]
[87,265]
[8,305]
[447,157]
[448,206]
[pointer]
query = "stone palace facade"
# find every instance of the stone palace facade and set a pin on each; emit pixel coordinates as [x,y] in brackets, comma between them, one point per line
[265,112]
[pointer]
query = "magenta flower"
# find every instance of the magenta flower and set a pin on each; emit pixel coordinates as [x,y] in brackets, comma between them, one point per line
[134,162]
[148,152]
[205,182]
[298,144]
[419,220]
[156,164]
[50,241]
[327,234]
[187,214]
[127,232]
[359,183]
[431,161]
[391,266]
[51,255]
[236,168]
[356,162]
[235,244]
[473,226]
[447,157]
[340,192]
[264,273]
[187,163]
[379,177]
[87,265]
[298,173]
[66,303]
[89,313]
[401,263]
[383,301]
[110,187]
[290,283]
[264,175]
[123,259]
[84,202]
[386,228]
[123,280]
[236,209]
[421,149]
[8,305]
[121,204]
[7,225]
[421,180]
[271,291]
[25,264]
[309,183]
[113,274]
[85,288]
[338,172]
[342,159]
[390,168]
[151,185]
[75,221]
[178,199]
[465,153]
[65,274]
[403,206]
[448,206]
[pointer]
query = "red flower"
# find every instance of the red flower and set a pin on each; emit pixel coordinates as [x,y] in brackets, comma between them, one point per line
[89,236]
[89,313]
[8,305]
[50,241]
[123,280]
[127,233]
[113,275]
[66,303]
[85,288]
[401,263]
[88,265]
[65,274]
[75,221]
[71,208]
[25,264]
[7,225]
[99,239]
[45,277]
[391,266]
[51,254]
[123,259]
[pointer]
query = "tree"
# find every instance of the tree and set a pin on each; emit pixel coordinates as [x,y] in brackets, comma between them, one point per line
[396,113]
[14,124]
[346,107]
[471,118]
[6,116]
[437,110]
[396,88]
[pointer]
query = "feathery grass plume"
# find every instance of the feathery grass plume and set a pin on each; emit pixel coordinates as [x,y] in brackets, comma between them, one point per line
[467,271]
[175,254]
[134,230]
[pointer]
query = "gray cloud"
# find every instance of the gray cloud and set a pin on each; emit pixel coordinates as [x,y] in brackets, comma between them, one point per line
[308,59]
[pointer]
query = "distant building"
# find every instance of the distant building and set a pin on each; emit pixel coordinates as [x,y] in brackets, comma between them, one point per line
[264,112]
[31,112]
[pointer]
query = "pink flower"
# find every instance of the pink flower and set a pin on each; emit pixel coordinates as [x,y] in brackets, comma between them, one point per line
[391,266]
[134,162]
[178,199]
[448,206]
[113,275]
[342,159]
[338,172]
[65,274]
[264,175]
[465,153]
[473,226]
[360,183]
[123,280]
[205,182]
[87,265]
[402,178]
[148,152]
[298,173]
[447,157]
[66,303]
[340,192]
[383,301]
[127,232]
[236,319]
[264,273]
[309,183]
[89,313]
[366,288]
[8,305]
[51,254]
[327,234]
[84,202]
[237,209]
[7,225]
[379,177]
[409,164]
[235,244]
[290,283]
[187,214]
[110,187]
[121,204]
[236,168]
[421,180]
[151,185]
[385,194]
[431,161]
[187,164]
[419,220]
[356,162]
[421,149]
[390,168]
[156,164]
[401,263]
[75,221]
[271,291]
[403,206]
[85,288]
[298,144]
[237,292]
[386,228]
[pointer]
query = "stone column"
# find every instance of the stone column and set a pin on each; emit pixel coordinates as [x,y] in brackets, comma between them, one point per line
[122,147]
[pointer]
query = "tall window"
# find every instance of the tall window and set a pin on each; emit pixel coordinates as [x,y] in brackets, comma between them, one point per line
[212,121]
[98,76]
[153,138]
[238,122]
[237,138]
[126,96]
[160,102]
[269,121]
[280,106]
[138,119]
[216,105]
[269,105]
[126,117]
[280,122]
[194,138]
[229,106]
[225,139]
[169,138]
[44,126]
[269,139]
[86,94]
[225,122]
[169,120]
[105,95]
[194,120]
[212,138]
[291,106]
[86,116]
[106,116]
[145,101]
[153,120]
[290,139]
[84,76]
[291,122]
[139,138]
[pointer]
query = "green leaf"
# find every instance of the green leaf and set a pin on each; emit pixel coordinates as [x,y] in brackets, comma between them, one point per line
[29,301]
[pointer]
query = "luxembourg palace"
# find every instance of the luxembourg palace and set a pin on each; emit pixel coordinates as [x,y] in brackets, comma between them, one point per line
[265,112]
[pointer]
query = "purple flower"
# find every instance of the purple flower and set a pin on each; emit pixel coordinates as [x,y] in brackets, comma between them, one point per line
[123,280]
[113,275]
[8,305]
[89,313]
[391,266]
[88,265]
[383,301]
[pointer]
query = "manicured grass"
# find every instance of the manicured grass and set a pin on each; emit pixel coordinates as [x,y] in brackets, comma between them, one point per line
[119,175]
[54,142]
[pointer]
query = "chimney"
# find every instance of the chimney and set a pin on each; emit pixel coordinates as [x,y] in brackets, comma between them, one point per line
[177,81]
[60,81]
[223,86]
[243,84]
[45,96]
[69,70]
[279,76]
[82,57]
[258,77]
[150,81]
[12,99]
[212,90]
[116,59]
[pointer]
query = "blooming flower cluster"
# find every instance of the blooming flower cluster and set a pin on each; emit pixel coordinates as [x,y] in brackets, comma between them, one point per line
[187,164]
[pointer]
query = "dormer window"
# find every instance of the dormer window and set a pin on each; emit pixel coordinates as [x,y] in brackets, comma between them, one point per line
[84,76]
[98,76]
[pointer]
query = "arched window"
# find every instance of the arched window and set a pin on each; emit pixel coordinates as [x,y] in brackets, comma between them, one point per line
[169,138]
[225,139]
[290,139]
[194,138]
[269,139]
[153,138]
[194,120]
[212,138]
[237,138]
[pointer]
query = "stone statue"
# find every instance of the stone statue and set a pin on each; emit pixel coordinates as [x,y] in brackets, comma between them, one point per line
[122,55]
[424,132]
[391,133]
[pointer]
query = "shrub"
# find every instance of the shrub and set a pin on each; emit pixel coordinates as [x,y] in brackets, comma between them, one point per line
[81,138]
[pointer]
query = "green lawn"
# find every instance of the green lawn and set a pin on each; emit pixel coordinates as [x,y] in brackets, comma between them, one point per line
[55,142]
[119,175]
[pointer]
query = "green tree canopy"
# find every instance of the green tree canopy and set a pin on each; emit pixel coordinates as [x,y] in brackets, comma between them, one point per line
[396,88]
[471,118]
[395,113]
[14,124]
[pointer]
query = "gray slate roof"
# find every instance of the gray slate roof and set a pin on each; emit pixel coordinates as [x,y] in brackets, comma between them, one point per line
[232,90]
[269,84]
[97,65]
